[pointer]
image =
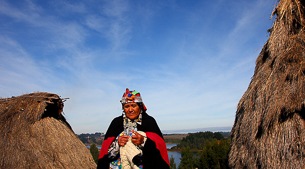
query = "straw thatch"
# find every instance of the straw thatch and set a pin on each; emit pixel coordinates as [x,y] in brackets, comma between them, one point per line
[269,129]
[35,135]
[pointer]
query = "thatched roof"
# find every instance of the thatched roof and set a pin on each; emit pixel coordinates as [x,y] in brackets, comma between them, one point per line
[36,135]
[269,129]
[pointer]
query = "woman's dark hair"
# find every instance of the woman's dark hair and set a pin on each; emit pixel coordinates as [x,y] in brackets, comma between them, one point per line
[141,105]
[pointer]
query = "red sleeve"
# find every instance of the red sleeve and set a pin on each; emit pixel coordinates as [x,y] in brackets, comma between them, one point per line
[105,146]
[160,144]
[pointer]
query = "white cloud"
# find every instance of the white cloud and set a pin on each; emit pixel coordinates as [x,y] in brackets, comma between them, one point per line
[190,76]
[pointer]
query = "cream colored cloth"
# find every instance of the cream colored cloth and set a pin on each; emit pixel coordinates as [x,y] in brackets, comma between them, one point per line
[129,151]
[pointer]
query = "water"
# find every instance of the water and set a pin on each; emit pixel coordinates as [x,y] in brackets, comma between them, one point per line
[169,146]
[176,155]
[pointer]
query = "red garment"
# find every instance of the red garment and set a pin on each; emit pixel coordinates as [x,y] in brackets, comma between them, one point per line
[154,151]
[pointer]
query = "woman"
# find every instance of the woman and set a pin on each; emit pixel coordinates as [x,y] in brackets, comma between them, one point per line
[133,140]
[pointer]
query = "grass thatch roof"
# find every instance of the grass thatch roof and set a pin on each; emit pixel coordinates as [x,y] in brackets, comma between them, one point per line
[35,135]
[269,129]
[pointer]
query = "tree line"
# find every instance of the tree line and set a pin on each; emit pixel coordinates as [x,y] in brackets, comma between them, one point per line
[204,150]
[95,138]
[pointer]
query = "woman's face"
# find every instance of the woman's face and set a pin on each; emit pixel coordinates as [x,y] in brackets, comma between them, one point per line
[132,110]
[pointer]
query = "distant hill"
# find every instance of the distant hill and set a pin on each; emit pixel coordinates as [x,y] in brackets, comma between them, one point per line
[174,138]
[96,138]
[186,131]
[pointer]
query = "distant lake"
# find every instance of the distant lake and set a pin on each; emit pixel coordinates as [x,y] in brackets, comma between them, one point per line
[175,154]
[170,145]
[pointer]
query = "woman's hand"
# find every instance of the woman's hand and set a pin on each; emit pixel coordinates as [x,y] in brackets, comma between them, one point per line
[136,138]
[122,140]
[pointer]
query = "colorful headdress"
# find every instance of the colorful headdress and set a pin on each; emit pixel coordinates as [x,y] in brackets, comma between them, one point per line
[132,97]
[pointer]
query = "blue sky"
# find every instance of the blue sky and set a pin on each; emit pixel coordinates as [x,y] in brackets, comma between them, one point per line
[191,60]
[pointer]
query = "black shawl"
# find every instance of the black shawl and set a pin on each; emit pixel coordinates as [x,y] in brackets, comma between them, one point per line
[154,151]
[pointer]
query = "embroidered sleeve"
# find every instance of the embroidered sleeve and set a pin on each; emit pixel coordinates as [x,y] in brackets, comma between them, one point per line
[114,149]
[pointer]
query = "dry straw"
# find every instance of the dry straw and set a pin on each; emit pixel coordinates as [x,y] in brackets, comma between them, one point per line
[269,129]
[36,135]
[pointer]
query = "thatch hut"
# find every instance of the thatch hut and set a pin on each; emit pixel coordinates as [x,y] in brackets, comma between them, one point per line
[36,135]
[269,129]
